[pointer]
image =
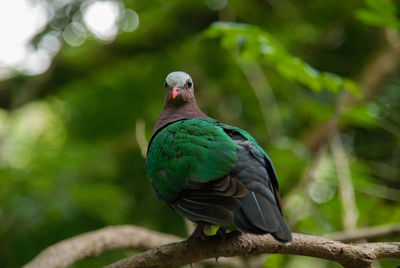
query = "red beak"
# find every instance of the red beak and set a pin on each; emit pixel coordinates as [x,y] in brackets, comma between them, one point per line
[175,92]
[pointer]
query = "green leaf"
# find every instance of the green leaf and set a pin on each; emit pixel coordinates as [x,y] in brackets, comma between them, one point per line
[359,116]
[382,6]
[252,43]
[379,13]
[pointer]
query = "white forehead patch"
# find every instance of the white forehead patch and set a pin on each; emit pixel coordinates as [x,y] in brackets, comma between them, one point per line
[177,79]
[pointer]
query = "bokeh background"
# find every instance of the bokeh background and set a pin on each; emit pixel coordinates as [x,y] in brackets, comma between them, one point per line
[81,85]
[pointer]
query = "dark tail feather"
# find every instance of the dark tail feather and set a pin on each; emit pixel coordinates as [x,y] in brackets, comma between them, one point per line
[243,224]
[259,216]
[284,234]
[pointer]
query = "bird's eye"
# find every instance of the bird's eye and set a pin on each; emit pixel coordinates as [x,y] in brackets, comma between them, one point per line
[166,85]
[189,84]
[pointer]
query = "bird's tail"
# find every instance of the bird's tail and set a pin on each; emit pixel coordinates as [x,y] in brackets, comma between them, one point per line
[258,215]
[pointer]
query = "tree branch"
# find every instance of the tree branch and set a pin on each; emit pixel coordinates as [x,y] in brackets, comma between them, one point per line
[355,255]
[368,233]
[97,242]
[106,239]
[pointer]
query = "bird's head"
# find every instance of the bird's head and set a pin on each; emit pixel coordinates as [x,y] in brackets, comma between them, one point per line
[179,86]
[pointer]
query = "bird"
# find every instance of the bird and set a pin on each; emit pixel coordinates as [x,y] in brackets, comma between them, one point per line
[209,172]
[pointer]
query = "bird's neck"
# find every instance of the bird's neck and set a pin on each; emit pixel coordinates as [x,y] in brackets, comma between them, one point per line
[172,113]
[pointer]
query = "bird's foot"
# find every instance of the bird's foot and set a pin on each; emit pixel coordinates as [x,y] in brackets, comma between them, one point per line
[198,234]
[221,233]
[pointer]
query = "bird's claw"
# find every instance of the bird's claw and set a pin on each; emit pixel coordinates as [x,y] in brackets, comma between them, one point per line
[198,234]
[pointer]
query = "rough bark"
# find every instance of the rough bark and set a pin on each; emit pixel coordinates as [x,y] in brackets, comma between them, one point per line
[185,252]
[94,243]
[97,242]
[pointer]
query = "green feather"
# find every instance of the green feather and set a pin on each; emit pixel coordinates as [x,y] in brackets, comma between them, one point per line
[195,150]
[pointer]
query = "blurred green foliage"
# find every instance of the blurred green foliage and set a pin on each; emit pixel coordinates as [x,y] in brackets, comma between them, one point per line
[379,13]
[70,161]
[255,44]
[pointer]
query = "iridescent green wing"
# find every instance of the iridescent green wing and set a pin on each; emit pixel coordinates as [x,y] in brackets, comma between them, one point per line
[187,152]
